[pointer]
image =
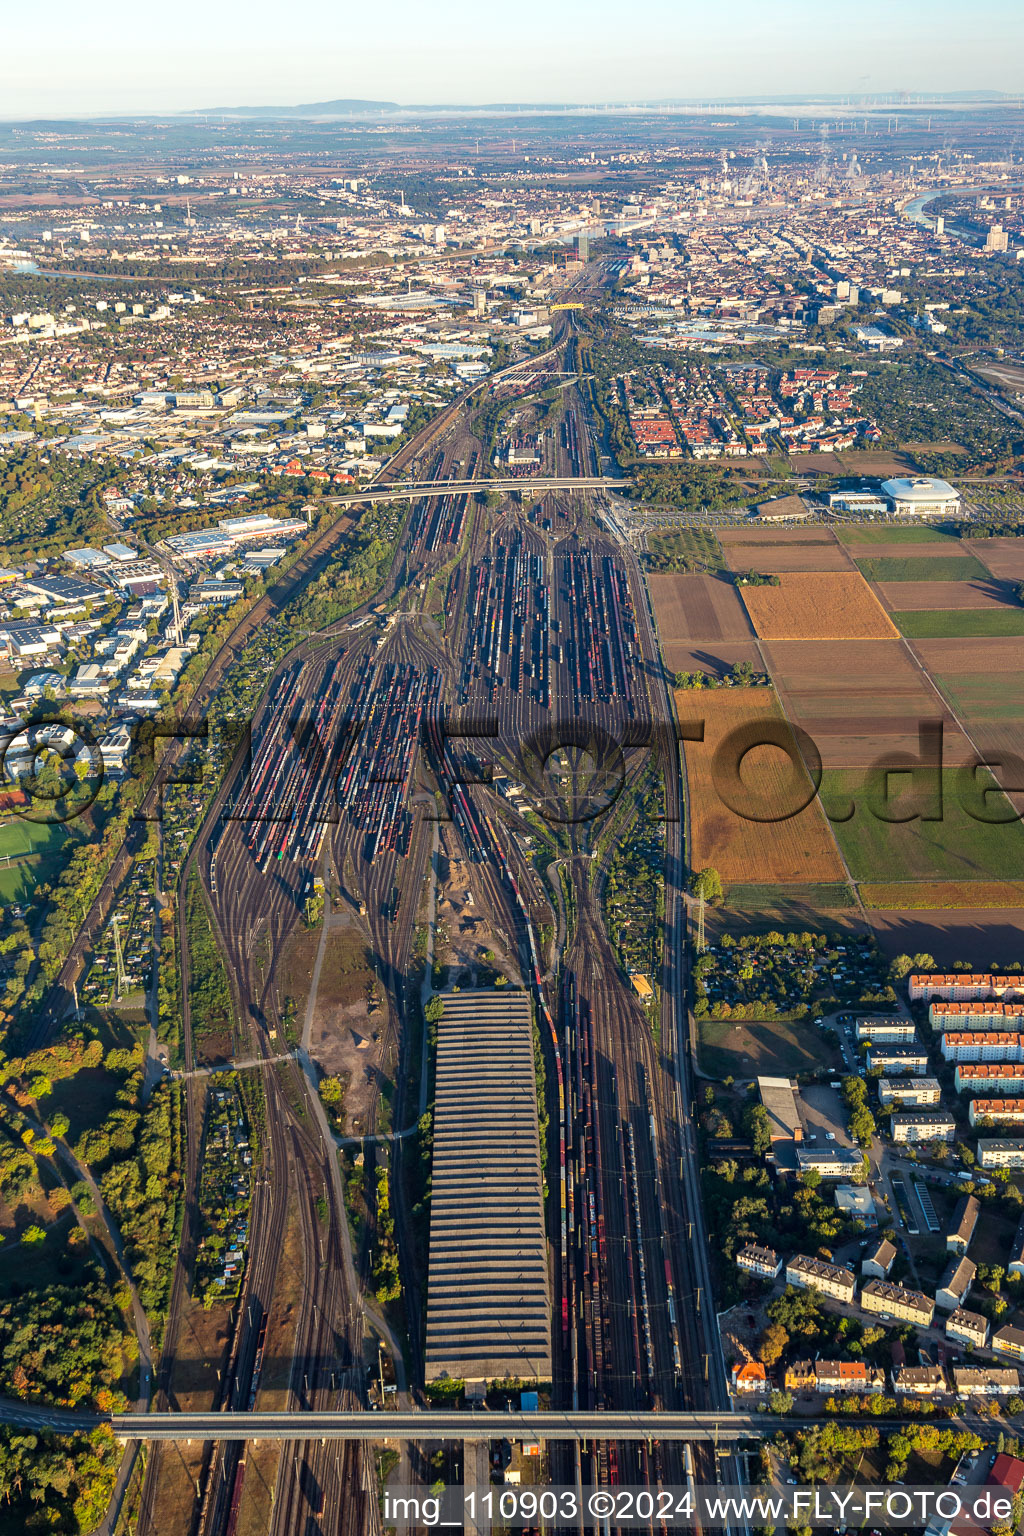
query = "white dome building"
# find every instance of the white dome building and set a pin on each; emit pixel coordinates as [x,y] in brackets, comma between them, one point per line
[922,496]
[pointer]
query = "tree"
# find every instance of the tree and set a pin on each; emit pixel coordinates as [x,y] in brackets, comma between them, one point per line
[759,1128]
[708,883]
[780,1402]
[773,1344]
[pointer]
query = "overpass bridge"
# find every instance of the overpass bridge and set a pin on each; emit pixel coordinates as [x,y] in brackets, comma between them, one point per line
[412,490]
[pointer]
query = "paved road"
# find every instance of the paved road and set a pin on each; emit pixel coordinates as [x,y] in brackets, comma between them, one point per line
[469,1425]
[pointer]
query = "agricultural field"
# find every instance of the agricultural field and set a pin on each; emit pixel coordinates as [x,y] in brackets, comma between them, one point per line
[942,894]
[683,549]
[800,849]
[960,623]
[713,659]
[957,847]
[980,676]
[812,550]
[920,567]
[983,936]
[698,608]
[909,595]
[1004,557]
[870,535]
[858,701]
[835,605]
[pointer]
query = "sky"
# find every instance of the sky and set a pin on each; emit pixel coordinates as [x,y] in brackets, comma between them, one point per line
[113,56]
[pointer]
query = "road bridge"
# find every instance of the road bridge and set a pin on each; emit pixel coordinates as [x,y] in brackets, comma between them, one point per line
[453,1424]
[535,485]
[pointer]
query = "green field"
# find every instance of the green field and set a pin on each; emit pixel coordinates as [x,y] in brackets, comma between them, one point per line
[923,568]
[729,1048]
[778,898]
[955,848]
[887,533]
[982,696]
[957,623]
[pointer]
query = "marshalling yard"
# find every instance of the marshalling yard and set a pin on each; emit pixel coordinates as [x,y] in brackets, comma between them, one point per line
[506,620]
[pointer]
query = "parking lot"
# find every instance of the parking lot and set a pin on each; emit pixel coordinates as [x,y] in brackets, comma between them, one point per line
[823,1115]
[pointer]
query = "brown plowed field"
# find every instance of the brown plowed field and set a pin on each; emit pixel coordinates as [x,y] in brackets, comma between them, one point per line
[713,658]
[903,596]
[835,605]
[977,654]
[1004,557]
[981,935]
[805,554]
[747,534]
[917,895]
[797,850]
[859,701]
[695,607]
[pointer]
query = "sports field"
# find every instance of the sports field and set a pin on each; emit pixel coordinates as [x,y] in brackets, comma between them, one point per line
[831,605]
[726,1049]
[736,819]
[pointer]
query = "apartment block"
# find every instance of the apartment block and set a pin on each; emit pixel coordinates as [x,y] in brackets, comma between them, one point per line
[967,1018]
[1009,1341]
[970,1328]
[848,1376]
[830,1279]
[999,1111]
[919,1380]
[886,1031]
[961,986]
[961,1228]
[982,1045]
[1005,1078]
[918,1125]
[999,1152]
[985,1381]
[908,1092]
[885,1299]
[878,1259]
[764,1262]
[954,1287]
[910,1059]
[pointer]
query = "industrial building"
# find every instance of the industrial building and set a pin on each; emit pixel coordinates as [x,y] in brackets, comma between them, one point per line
[488,1294]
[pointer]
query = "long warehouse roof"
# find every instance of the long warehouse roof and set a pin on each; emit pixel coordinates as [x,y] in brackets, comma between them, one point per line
[488,1297]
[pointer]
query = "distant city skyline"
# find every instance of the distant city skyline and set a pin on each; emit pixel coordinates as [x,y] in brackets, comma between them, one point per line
[117,57]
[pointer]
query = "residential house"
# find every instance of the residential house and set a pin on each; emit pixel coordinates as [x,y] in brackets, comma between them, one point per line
[919,1380]
[956,1283]
[970,1328]
[878,1259]
[985,1381]
[965,1219]
[1009,1341]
